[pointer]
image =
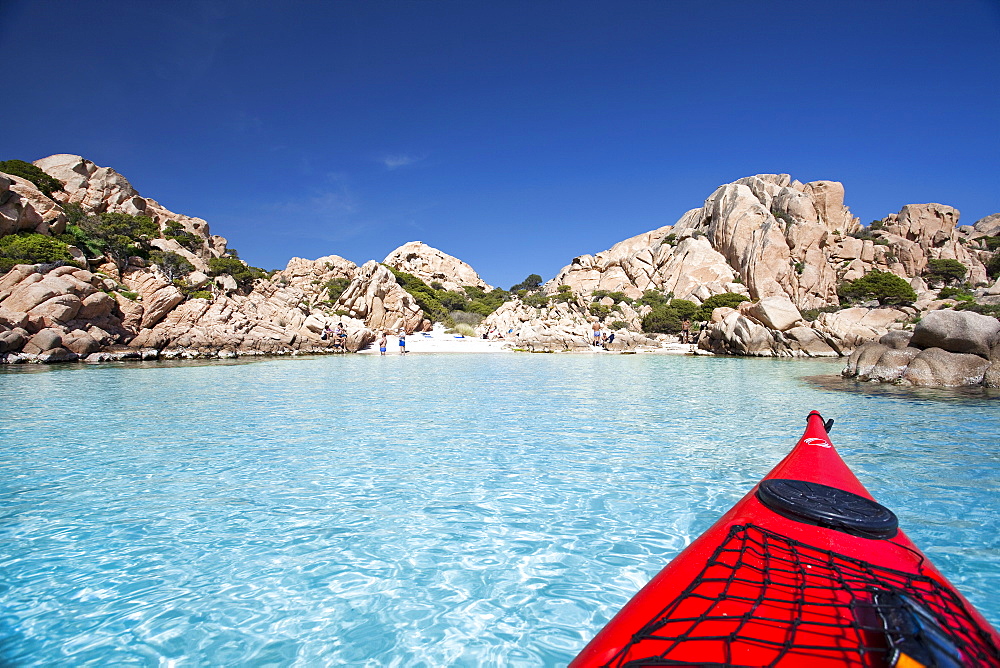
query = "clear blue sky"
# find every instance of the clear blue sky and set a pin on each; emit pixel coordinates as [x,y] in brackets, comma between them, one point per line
[514,135]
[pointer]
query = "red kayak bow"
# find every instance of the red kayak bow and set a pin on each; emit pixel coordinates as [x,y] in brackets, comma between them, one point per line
[805,570]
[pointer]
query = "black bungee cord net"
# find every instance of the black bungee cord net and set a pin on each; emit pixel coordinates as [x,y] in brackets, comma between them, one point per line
[792,604]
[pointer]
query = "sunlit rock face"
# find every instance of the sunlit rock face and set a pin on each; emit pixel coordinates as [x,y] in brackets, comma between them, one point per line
[433,266]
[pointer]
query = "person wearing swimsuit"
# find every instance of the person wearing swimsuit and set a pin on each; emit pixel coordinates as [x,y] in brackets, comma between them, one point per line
[402,341]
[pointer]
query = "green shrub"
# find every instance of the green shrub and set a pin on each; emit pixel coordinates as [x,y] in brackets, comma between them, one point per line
[128,294]
[813,313]
[617,296]
[784,217]
[993,265]
[564,294]
[685,309]
[662,319]
[335,287]
[536,300]
[119,235]
[884,286]
[726,299]
[947,271]
[599,310]
[243,274]
[465,318]
[532,282]
[174,230]
[423,294]
[47,184]
[200,294]
[485,303]
[31,248]
[669,240]
[654,298]
[172,265]
[959,294]
[991,243]
[617,324]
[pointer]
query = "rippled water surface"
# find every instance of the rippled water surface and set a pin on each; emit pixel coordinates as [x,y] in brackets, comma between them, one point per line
[422,511]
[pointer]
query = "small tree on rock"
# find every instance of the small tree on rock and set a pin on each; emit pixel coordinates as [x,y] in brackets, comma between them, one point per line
[884,286]
[945,271]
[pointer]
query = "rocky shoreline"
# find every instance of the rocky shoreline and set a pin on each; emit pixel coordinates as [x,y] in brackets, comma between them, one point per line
[779,251]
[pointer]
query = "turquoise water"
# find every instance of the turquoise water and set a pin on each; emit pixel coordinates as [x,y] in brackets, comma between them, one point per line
[422,511]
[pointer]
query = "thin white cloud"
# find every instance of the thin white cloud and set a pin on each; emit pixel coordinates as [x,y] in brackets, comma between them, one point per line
[398,160]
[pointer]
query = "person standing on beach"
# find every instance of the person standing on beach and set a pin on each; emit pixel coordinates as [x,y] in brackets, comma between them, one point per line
[382,344]
[402,341]
[686,331]
[597,333]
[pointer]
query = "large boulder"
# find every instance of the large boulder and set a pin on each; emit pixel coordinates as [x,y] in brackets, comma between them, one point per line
[935,367]
[778,312]
[431,265]
[957,332]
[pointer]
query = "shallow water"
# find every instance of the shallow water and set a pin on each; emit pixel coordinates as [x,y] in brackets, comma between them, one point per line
[427,510]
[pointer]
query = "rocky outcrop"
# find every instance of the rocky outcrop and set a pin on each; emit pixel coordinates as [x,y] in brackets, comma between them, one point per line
[65,313]
[24,208]
[375,298]
[101,189]
[433,266]
[773,327]
[946,349]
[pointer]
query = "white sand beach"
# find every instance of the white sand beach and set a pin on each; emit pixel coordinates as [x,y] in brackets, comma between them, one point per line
[439,340]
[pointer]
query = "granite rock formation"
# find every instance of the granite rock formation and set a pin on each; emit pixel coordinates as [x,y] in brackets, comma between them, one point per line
[433,266]
[946,349]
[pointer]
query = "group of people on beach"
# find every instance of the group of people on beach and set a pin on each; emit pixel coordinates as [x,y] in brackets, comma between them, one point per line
[383,342]
[601,338]
[337,336]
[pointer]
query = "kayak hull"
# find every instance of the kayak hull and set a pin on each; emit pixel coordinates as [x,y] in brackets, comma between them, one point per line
[767,588]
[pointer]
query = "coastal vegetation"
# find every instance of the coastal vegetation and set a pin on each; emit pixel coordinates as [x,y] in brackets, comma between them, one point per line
[47,184]
[230,264]
[945,271]
[882,286]
[31,248]
[438,304]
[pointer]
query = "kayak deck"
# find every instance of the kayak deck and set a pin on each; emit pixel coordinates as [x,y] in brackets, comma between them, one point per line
[768,599]
[806,570]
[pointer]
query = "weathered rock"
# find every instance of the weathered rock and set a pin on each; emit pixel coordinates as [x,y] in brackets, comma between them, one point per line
[57,310]
[375,297]
[988,226]
[853,327]
[158,296]
[810,342]
[80,342]
[863,359]
[935,367]
[891,365]
[431,265]
[12,340]
[96,305]
[897,338]
[957,332]
[56,355]
[46,339]
[776,312]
